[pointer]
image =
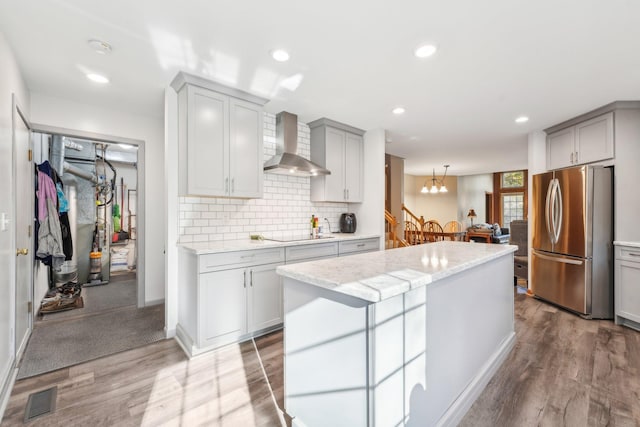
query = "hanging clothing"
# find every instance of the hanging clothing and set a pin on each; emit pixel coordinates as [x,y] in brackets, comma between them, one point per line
[49,231]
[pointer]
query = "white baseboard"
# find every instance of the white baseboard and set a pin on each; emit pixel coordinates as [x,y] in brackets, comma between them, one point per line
[169,333]
[184,341]
[8,380]
[154,302]
[459,408]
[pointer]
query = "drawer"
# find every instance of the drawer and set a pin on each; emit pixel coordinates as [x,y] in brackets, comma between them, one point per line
[354,246]
[317,250]
[220,261]
[628,253]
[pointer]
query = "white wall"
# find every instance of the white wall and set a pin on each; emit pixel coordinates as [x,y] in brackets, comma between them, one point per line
[11,82]
[537,163]
[471,195]
[442,207]
[63,113]
[370,213]
[409,192]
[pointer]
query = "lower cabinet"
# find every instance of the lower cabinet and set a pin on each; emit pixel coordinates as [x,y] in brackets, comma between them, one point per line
[229,297]
[223,298]
[627,286]
[264,302]
[222,307]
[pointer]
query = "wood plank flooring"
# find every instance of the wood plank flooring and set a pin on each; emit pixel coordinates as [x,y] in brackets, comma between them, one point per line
[563,371]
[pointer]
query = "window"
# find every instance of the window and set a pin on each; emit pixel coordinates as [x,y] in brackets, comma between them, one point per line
[511,203]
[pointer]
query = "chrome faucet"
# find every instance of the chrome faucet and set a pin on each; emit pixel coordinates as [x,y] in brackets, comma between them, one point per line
[328,225]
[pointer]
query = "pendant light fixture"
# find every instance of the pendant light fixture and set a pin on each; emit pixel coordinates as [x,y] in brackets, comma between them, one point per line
[435,182]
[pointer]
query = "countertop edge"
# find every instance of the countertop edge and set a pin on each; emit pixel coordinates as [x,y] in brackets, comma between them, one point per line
[368,293]
[249,245]
[625,243]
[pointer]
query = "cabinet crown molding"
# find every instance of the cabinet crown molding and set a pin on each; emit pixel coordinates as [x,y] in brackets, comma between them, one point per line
[617,105]
[183,78]
[337,125]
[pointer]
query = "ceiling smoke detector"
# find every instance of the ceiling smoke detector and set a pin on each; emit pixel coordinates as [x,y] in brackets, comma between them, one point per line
[99,46]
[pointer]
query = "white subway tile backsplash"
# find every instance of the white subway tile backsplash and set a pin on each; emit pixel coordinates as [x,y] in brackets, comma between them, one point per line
[285,208]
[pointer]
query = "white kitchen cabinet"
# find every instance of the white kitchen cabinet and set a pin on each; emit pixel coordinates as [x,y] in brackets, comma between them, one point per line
[352,247]
[339,148]
[627,286]
[228,297]
[586,142]
[220,139]
[264,302]
[223,316]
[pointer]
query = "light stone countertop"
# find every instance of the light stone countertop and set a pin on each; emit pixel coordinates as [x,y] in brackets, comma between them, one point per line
[376,276]
[201,248]
[622,243]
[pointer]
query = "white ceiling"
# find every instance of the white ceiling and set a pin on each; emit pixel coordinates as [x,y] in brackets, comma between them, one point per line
[352,61]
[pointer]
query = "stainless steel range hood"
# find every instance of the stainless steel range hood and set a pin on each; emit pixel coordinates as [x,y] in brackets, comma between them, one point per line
[286,161]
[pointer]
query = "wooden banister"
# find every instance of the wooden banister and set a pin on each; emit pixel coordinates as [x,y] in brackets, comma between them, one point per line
[391,237]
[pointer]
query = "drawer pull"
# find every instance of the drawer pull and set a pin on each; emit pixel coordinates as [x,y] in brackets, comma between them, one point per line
[634,253]
[360,245]
[247,256]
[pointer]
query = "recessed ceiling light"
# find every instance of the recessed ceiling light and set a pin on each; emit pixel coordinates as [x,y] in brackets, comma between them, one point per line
[97,78]
[425,51]
[280,55]
[522,119]
[398,110]
[99,46]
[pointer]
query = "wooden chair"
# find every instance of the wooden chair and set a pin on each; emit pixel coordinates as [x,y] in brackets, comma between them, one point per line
[412,233]
[453,227]
[433,227]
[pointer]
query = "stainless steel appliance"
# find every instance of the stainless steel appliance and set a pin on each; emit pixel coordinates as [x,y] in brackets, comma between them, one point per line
[348,223]
[572,225]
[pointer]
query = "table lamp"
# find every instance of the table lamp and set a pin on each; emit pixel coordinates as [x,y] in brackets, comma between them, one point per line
[471,215]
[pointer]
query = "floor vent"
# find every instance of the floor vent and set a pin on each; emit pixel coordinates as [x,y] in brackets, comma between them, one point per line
[41,403]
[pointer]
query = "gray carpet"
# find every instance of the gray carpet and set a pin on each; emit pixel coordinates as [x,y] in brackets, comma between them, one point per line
[58,345]
[119,292]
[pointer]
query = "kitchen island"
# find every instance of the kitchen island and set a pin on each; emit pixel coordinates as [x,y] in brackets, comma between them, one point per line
[408,336]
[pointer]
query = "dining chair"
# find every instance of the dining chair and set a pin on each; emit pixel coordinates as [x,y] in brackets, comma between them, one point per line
[433,227]
[453,227]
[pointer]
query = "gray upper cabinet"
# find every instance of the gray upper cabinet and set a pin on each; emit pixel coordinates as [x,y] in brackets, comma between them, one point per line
[339,148]
[585,142]
[220,139]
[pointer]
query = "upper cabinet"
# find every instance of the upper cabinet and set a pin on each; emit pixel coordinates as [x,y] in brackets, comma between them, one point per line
[339,148]
[220,139]
[585,142]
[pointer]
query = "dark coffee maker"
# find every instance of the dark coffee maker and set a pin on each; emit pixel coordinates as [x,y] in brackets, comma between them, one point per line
[348,223]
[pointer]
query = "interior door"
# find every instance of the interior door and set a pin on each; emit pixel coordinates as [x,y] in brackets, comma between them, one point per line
[24,190]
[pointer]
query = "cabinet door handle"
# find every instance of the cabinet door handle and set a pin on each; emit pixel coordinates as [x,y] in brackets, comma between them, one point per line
[576,157]
[244,280]
[571,158]
[226,185]
[347,194]
[251,278]
[233,185]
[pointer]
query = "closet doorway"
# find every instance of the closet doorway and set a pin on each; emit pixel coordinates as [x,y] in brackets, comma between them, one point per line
[93,304]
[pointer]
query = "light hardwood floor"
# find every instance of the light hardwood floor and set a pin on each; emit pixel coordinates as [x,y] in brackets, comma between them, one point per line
[563,371]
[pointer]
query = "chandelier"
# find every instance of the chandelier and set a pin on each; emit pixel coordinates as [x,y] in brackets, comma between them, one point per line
[435,182]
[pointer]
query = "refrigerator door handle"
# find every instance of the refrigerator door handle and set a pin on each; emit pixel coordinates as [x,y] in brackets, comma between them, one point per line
[557,259]
[547,211]
[558,208]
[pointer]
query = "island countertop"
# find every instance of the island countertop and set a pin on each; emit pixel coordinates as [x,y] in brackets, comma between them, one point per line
[377,276]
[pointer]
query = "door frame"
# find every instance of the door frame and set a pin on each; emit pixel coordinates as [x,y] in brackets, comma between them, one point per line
[140,193]
[17,113]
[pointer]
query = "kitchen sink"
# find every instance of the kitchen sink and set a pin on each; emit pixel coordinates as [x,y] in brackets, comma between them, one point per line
[297,238]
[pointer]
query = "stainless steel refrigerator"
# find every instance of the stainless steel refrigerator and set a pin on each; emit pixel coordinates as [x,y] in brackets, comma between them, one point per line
[572,247]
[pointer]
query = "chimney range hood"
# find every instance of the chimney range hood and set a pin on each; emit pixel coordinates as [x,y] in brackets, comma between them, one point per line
[286,161]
